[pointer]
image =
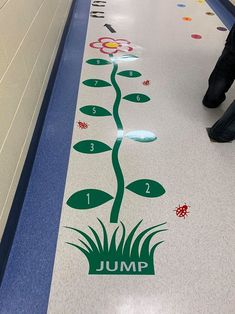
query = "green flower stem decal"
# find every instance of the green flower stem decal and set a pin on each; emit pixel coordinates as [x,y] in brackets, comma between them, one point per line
[118,171]
[125,255]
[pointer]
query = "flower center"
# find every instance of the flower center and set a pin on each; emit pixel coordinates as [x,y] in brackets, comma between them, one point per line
[111,45]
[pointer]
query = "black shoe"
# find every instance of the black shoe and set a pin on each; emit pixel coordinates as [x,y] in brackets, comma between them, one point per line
[219,139]
[224,129]
[209,104]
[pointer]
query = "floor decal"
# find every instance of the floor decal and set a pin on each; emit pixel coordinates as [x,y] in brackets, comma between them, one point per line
[196,36]
[82,125]
[98,3]
[182,211]
[222,29]
[97,14]
[95,111]
[187,19]
[146,82]
[121,258]
[110,256]
[110,28]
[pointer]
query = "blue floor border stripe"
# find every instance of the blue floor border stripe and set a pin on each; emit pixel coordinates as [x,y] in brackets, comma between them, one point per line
[11,225]
[27,278]
[223,13]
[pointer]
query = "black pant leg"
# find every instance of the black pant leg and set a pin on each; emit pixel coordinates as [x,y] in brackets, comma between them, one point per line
[223,75]
[220,80]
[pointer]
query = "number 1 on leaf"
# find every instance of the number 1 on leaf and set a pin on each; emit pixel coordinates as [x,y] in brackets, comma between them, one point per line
[88,198]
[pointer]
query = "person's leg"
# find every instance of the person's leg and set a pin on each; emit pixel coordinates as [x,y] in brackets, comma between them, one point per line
[220,80]
[223,74]
[224,129]
[219,84]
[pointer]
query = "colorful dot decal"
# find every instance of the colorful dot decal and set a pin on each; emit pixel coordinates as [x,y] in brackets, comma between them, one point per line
[196,36]
[222,29]
[210,13]
[187,19]
[181,5]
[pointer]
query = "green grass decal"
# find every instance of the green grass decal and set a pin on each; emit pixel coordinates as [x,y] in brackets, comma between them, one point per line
[125,254]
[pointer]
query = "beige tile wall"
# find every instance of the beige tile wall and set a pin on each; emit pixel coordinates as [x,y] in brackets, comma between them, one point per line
[29,39]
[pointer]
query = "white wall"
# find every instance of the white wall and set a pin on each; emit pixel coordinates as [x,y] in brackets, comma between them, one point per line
[30,32]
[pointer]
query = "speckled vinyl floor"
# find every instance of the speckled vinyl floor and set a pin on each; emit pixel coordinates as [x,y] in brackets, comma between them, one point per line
[148,215]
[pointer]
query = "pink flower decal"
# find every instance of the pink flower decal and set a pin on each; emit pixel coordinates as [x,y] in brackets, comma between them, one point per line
[109,45]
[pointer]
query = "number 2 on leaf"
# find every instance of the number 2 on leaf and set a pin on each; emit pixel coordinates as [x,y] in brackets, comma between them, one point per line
[148,188]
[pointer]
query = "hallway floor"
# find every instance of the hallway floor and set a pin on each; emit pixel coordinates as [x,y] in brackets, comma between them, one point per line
[147,219]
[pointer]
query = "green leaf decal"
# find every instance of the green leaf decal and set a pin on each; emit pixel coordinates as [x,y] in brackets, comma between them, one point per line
[98,62]
[95,111]
[146,188]
[91,147]
[127,58]
[137,98]
[88,198]
[141,136]
[96,83]
[130,73]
